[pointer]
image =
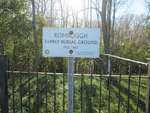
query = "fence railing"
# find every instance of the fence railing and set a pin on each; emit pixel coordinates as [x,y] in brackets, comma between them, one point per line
[120,91]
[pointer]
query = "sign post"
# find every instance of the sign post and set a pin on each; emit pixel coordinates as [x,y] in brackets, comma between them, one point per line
[71,43]
[70,84]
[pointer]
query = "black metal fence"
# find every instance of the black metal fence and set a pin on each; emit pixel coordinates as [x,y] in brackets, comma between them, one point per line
[122,90]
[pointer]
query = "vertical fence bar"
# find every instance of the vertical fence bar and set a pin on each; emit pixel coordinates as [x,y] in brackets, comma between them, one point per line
[3,84]
[129,82]
[54,86]
[46,99]
[91,95]
[100,92]
[37,93]
[63,93]
[81,93]
[91,86]
[109,91]
[109,82]
[119,89]
[148,89]
[20,92]
[139,88]
[29,92]
[13,92]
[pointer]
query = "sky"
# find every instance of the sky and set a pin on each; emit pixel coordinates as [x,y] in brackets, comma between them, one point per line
[137,7]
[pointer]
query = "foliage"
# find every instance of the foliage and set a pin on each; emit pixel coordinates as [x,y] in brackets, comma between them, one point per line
[14,22]
[132,38]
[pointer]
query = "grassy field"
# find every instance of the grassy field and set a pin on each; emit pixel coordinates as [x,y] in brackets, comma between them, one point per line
[96,94]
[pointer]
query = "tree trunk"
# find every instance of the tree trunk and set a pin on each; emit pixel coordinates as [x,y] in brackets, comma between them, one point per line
[36,57]
[113,23]
[106,25]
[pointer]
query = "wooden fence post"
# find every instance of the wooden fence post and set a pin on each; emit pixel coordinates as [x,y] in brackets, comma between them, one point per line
[148,89]
[3,84]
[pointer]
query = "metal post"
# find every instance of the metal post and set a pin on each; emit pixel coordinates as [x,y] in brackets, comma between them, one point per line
[109,65]
[3,84]
[148,89]
[70,84]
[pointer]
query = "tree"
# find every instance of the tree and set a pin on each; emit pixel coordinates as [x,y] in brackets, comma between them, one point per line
[148,5]
[108,15]
[105,25]
[13,21]
[132,37]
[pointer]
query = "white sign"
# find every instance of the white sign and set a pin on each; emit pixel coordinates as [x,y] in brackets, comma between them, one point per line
[71,42]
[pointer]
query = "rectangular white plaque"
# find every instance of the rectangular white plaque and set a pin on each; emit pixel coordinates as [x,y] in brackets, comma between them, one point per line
[71,42]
